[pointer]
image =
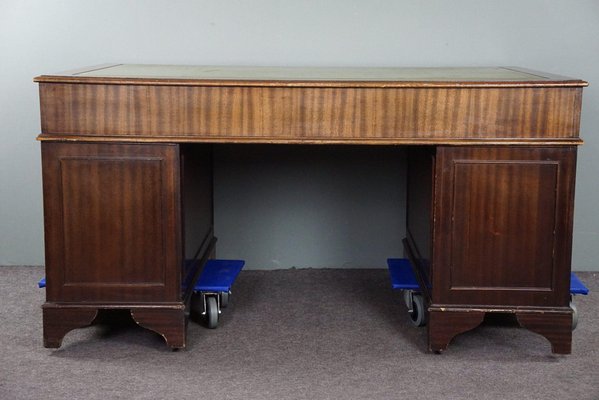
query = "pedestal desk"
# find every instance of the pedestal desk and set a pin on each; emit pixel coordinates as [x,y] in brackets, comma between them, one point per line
[127,181]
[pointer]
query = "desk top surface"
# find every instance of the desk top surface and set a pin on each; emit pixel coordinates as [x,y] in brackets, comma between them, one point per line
[309,76]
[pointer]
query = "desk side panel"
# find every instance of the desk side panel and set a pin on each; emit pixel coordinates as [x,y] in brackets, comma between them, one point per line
[419,202]
[293,114]
[197,195]
[503,226]
[112,222]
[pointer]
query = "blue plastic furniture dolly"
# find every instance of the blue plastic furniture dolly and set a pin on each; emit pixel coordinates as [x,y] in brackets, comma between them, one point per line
[213,288]
[402,278]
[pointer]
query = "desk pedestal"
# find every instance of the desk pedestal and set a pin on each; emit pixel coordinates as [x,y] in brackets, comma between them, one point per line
[498,238]
[114,235]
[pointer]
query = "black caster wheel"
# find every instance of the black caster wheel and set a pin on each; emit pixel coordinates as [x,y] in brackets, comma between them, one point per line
[195,304]
[418,314]
[574,315]
[211,312]
[224,299]
[407,297]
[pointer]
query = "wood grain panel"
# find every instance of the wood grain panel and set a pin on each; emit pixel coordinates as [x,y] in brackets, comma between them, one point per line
[420,183]
[555,327]
[499,206]
[113,222]
[197,195]
[503,226]
[97,213]
[444,326]
[282,114]
[58,321]
[170,323]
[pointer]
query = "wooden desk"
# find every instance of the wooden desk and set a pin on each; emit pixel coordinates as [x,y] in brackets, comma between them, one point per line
[127,173]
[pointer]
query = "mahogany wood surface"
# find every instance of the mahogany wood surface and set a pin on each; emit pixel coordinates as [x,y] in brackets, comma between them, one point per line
[113,222]
[504,220]
[323,115]
[113,231]
[128,191]
[449,324]
[556,327]
[170,323]
[501,234]
[420,200]
[58,321]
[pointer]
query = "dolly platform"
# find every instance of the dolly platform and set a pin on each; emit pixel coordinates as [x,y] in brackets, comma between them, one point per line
[213,288]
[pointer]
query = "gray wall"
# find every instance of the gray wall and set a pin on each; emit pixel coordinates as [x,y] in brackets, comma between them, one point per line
[309,206]
[323,223]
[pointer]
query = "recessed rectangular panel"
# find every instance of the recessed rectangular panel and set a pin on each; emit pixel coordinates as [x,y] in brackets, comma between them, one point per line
[112,211]
[503,224]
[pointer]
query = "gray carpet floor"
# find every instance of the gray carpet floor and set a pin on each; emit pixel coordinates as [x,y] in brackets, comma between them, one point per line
[291,334]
